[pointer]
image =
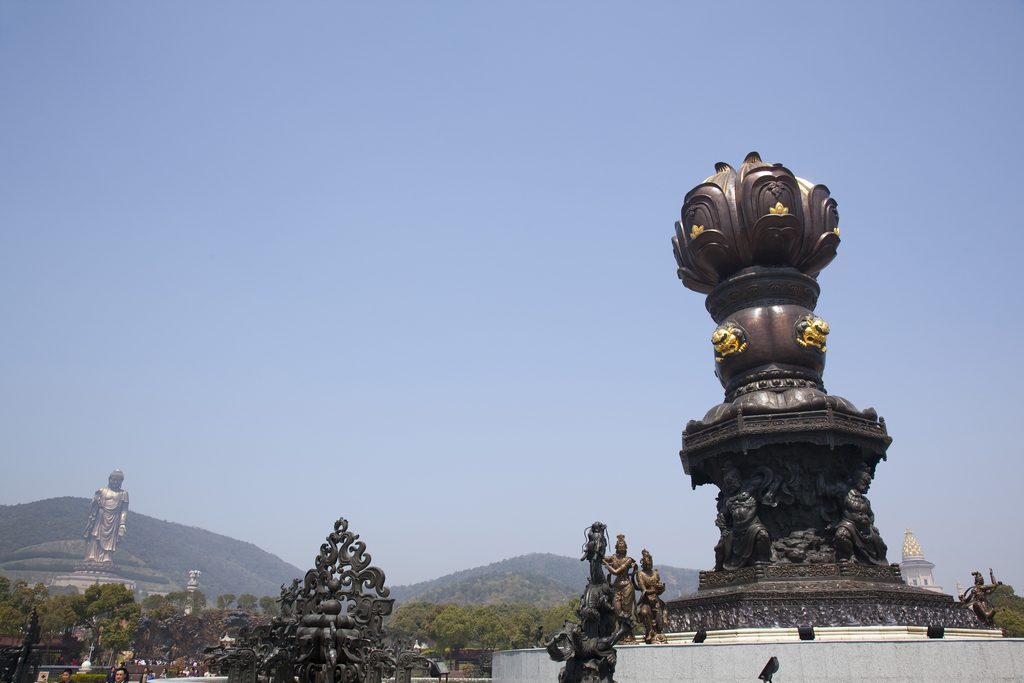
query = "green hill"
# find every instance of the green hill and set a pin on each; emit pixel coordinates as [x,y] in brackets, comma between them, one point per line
[541,579]
[42,539]
[502,587]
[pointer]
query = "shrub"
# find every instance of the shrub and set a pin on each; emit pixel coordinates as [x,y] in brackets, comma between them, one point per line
[1012,622]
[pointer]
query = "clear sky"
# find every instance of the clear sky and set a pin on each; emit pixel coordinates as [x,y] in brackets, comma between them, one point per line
[409,263]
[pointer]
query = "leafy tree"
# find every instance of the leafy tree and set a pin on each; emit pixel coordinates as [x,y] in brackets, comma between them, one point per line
[488,629]
[521,621]
[248,602]
[1003,597]
[11,620]
[118,631]
[180,600]
[152,602]
[269,606]
[59,614]
[164,612]
[552,619]
[415,619]
[5,589]
[1012,621]
[453,629]
[198,601]
[1009,611]
[224,600]
[24,597]
[177,598]
[112,611]
[102,601]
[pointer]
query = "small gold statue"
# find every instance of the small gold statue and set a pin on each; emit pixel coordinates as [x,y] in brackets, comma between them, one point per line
[622,578]
[650,608]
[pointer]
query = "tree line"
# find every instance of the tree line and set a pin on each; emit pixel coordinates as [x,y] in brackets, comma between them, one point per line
[1009,611]
[108,612]
[501,626]
[111,616]
[166,606]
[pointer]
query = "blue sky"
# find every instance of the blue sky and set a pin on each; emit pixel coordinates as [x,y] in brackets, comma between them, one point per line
[410,263]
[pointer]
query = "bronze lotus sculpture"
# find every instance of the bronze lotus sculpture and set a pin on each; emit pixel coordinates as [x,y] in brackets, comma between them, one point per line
[754,240]
[792,462]
[760,215]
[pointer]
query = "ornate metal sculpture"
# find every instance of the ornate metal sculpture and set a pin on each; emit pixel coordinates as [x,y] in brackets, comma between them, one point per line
[331,626]
[650,607]
[588,648]
[408,662]
[792,462]
[977,597]
[107,518]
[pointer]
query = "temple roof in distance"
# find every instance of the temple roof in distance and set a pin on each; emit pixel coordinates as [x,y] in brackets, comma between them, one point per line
[911,548]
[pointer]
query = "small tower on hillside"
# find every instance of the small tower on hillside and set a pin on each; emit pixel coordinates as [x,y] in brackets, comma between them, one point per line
[916,570]
[193,586]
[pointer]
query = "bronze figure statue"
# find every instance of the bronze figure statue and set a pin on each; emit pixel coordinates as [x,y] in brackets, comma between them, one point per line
[593,550]
[587,660]
[744,539]
[977,597]
[650,607]
[588,648]
[856,537]
[107,517]
[288,597]
[622,571]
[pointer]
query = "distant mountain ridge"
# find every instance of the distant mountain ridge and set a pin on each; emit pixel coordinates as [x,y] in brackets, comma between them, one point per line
[42,539]
[541,579]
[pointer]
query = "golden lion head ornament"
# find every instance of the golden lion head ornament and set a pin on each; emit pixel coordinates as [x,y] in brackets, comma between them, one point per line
[728,339]
[811,331]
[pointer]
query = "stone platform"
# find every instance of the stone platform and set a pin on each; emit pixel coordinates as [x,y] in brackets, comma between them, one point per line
[88,573]
[818,661]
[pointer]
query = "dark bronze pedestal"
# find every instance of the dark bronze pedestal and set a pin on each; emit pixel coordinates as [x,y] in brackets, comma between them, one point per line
[821,595]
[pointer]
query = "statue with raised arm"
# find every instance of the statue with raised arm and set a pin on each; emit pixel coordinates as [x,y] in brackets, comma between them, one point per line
[977,597]
[107,517]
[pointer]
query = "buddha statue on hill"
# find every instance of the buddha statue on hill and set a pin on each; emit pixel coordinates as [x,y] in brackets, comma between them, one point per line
[107,516]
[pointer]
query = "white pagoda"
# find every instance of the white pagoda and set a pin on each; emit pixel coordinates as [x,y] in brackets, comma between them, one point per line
[916,570]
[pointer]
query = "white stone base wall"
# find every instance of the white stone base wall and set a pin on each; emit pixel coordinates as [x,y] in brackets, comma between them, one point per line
[907,661]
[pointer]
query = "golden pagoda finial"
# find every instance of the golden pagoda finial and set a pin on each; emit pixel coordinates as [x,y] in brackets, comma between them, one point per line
[911,548]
